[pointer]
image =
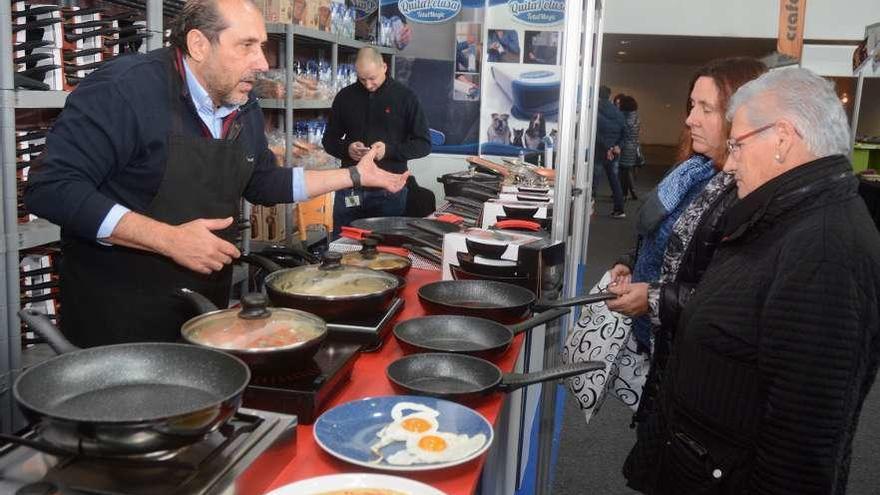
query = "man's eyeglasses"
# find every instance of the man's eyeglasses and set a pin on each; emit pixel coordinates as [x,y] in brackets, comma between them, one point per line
[734,145]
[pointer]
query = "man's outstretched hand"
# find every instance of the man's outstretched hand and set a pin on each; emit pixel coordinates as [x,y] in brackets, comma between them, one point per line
[373,176]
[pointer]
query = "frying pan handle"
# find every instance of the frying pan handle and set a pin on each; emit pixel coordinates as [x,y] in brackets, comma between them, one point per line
[427,227]
[574,301]
[42,325]
[518,224]
[197,301]
[513,381]
[260,261]
[424,253]
[538,320]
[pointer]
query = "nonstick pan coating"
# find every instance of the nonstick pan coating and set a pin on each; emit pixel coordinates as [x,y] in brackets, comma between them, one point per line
[464,334]
[462,377]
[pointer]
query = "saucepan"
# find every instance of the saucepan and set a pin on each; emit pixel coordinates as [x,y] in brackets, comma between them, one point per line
[126,399]
[331,290]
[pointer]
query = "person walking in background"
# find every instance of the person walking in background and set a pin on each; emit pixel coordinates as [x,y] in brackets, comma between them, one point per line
[609,135]
[629,149]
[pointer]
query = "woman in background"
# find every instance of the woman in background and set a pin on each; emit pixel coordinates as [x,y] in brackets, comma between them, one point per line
[629,149]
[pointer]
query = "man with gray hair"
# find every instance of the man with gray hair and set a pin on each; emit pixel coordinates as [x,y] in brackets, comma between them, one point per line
[376,114]
[145,169]
[779,344]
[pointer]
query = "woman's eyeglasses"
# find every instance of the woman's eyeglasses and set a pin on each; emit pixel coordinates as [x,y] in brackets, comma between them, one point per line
[734,145]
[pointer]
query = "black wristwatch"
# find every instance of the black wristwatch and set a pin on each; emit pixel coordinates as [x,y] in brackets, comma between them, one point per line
[355,176]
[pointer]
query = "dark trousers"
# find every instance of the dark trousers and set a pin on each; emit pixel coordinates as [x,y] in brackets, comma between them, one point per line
[627,182]
[610,167]
[373,203]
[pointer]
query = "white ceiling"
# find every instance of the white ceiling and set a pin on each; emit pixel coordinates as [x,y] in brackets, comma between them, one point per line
[680,50]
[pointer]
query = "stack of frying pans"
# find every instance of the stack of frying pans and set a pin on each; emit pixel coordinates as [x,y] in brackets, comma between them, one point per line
[448,350]
[36,44]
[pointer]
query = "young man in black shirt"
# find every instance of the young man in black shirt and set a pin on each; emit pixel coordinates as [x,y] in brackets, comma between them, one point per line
[377,113]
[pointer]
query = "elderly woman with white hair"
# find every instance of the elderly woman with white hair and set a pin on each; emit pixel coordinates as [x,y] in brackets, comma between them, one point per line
[778,347]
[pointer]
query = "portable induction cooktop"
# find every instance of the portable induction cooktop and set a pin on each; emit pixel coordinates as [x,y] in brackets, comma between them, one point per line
[304,391]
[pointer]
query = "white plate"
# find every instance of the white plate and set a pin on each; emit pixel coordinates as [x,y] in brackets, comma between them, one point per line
[323,484]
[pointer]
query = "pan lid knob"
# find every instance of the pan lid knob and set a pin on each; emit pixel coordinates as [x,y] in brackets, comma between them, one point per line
[254,307]
[370,250]
[332,261]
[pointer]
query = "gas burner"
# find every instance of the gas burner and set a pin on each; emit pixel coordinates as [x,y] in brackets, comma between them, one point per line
[210,466]
[40,488]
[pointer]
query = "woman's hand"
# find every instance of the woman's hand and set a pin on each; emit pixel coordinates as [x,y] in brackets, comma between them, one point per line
[633,300]
[620,274]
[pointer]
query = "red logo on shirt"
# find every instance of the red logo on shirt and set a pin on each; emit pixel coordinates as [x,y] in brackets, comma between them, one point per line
[387,109]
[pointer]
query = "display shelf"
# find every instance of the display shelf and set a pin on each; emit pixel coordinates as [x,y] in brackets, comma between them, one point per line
[40,99]
[36,233]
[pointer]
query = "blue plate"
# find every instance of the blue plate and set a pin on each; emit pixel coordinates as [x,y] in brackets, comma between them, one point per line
[348,431]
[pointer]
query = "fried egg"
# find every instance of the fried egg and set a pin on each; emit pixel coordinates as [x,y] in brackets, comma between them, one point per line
[436,447]
[406,426]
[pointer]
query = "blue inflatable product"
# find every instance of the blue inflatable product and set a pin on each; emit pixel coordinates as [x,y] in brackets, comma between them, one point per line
[531,91]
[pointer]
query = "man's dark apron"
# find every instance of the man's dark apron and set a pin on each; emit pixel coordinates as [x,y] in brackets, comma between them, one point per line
[113,294]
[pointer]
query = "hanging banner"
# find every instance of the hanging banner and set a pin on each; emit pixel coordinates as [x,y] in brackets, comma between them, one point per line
[521,79]
[429,11]
[538,12]
[364,8]
[440,58]
[790,41]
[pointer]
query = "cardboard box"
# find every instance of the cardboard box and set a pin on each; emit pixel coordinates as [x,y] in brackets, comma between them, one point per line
[256,219]
[273,223]
[315,13]
[276,11]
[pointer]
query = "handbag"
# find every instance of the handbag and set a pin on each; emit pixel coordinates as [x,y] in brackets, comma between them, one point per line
[640,157]
[603,335]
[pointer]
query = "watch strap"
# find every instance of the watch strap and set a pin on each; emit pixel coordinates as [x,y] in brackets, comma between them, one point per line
[355,177]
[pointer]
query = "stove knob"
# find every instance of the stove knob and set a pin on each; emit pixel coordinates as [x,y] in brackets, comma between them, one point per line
[39,488]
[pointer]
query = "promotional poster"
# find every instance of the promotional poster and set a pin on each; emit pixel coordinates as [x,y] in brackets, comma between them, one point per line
[503,82]
[521,80]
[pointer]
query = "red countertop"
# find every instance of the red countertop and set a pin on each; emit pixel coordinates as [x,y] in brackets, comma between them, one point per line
[368,380]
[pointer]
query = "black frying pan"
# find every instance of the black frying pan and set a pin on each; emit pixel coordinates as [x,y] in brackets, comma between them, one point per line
[39,71]
[424,253]
[396,231]
[127,399]
[35,11]
[499,301]
[462,378]
[22,81]
[33,57]
[500,268]
[520,212]
[30,45]
[464,334]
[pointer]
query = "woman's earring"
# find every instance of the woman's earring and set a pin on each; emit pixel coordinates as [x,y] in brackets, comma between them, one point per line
[778,158]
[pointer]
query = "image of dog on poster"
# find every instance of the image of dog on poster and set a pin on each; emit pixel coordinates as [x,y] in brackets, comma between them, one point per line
[499,130]
[534,136]
[517,138]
